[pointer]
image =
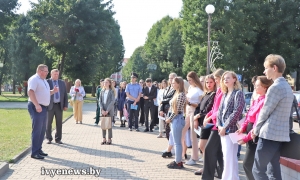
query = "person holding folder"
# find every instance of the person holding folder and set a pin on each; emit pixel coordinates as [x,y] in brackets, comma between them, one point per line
[133,92]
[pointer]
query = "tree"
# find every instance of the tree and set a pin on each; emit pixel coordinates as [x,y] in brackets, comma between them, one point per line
[76,31]
[247,32]
[164,46]
[6,19]
[137,64]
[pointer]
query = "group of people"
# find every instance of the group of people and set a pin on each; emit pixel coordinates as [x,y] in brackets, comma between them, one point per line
[215,103]
[217,106]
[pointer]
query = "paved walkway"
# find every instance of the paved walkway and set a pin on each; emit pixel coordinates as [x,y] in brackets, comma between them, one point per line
[133,155]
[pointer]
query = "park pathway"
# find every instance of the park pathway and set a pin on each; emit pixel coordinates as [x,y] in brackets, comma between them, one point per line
[133,155]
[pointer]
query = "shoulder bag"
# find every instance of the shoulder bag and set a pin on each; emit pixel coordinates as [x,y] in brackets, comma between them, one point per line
[291,149]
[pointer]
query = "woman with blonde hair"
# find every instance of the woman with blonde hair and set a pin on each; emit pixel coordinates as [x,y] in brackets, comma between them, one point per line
[229,113]
[106,103]
[177,106]
[77,93]
[193,95]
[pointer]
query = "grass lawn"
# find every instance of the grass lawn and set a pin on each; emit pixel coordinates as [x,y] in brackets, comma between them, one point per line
[15,131]
[9,97]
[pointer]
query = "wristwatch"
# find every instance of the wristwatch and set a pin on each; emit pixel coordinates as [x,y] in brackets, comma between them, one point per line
[189,103]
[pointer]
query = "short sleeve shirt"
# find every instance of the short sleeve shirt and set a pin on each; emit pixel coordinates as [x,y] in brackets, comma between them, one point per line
[134,90]
[193,95]
[41,89]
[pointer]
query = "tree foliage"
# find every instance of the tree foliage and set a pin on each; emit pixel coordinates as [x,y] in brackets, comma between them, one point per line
[79,35]
[164,46]
[247,32]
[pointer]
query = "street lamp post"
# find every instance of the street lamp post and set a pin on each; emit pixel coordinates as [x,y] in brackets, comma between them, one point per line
[209,10]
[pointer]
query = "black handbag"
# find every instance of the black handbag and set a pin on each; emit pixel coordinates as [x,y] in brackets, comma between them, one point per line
[291,149]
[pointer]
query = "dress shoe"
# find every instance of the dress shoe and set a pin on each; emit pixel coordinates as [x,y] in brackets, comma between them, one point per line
[37,156]
[146,130]
[59,142]
[49,142]
[137,130]
[43,154]
[151,130]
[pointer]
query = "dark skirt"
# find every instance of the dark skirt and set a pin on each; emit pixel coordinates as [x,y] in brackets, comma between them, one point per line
[121,103]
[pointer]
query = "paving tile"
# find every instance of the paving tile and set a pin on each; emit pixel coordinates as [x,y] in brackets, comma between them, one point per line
[132,155]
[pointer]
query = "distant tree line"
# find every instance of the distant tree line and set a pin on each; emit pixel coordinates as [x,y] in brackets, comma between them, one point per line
[247,31]
[80,38]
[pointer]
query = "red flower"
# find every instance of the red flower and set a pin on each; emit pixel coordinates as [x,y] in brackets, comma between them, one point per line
[76,90]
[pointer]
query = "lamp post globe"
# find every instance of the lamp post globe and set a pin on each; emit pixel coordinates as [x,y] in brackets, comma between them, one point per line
[210,9]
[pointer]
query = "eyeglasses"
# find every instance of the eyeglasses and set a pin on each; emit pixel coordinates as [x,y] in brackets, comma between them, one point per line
[45,71]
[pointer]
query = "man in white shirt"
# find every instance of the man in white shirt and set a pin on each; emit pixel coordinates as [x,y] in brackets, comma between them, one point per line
[39,99]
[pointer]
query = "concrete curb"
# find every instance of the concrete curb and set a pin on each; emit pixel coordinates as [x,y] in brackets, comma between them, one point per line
[4,166]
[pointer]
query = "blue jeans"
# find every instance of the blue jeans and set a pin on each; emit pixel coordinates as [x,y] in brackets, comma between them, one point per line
[39,121]
[133,115]
[177,125]
[266,162]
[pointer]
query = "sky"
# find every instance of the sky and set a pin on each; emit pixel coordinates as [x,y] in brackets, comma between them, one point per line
[135,18]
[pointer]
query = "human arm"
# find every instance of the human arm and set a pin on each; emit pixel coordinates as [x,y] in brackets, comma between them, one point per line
[181,100]
[239,104]
[272,99]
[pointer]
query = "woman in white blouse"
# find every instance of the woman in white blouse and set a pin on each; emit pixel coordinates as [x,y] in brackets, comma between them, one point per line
[77,93]
[193,99]
[164,84]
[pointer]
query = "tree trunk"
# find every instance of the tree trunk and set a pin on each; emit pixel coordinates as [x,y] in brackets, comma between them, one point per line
[298,79]
[14,87]
[94,89]
[2,72]
[62,64]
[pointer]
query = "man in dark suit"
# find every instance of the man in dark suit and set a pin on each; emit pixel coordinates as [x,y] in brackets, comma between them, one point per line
[150,93]
[58,104]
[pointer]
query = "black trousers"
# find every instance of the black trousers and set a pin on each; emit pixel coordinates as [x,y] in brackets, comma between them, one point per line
[213,154]
[249,159]
[141,110]
[133,115]
[57,112]
[249,156]
[149,107]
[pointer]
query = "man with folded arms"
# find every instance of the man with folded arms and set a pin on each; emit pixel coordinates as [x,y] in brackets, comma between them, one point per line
[273,124]
[39,99]
[58,104]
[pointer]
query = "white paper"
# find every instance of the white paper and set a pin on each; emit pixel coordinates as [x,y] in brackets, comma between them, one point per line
[198,131]
[235,137]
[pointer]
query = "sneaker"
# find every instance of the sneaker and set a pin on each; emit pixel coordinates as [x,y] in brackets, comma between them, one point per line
[137,130]
[190,162]
[201,159]
[95,124]
[174,165]
[166,154]
[130,129]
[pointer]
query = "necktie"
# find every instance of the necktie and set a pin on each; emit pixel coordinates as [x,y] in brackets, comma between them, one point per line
[56,94]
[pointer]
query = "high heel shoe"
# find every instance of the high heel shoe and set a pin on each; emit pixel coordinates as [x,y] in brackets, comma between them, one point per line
[109,142]
[103,142]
